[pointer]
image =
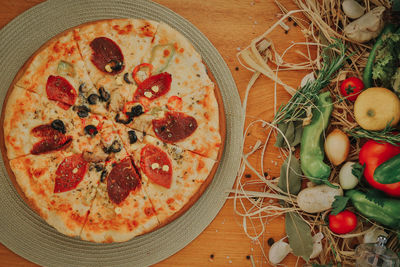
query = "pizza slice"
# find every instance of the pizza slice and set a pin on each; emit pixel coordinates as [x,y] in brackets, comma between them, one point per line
[172,177]
[33,125]
[58,72]
[59,186]
[190,121]
[111,50]
[121,209]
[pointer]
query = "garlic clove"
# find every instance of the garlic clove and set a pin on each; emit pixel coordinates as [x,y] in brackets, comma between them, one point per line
[352,9]
[278,251]
[337,146]
[317,246]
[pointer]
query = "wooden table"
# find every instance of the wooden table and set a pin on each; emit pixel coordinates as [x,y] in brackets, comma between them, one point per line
[229,25]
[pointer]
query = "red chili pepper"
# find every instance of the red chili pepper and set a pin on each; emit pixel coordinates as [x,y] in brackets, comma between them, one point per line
[138,67]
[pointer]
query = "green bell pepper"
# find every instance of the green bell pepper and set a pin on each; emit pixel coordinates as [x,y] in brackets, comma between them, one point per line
[312,148]
[389,171]
[387,212]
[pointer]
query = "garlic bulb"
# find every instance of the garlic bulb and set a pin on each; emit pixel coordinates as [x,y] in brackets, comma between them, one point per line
[366,27]
[278,251]
[352,9]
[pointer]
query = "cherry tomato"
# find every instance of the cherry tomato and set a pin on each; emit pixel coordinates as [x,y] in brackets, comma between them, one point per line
[342,223]
[351,88]
[372,154]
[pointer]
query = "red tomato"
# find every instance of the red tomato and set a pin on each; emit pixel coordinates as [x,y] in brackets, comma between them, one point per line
[342,223]
[372,154]
[351,88]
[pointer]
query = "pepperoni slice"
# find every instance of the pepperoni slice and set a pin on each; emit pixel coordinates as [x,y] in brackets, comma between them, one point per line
[107,55]
[157,166]
[122,179]
[59,89]
[174,127]
[52,139]
[154,86]
[70,173]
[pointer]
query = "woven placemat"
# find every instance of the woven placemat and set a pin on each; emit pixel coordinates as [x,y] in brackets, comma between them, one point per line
[22,230]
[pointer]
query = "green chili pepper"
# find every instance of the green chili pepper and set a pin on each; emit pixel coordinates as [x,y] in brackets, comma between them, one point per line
[389,171]
[311,149]
[65,68]
[367,75]
[379,209]
[162,51]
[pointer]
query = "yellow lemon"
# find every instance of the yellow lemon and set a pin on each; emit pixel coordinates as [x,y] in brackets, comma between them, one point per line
[376,107]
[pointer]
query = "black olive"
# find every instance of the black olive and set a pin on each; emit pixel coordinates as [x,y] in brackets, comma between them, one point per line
[126,78]
[83,111]
[104,95]
[81,88]
[91,130]
[92,99]
[127,121]
[98,167]
[58,125]
[135,111]
[116,65]
[103,175]
[115,147]
[132,137]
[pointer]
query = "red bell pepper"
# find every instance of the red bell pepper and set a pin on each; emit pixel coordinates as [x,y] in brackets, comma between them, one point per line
[372,154]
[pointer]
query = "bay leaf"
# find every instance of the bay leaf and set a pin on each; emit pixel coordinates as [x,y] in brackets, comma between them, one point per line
[294,178]
[289,134]
[298,131]
[299,234]
[279,138]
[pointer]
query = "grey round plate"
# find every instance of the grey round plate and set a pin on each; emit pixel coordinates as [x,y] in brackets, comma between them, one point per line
[22,230]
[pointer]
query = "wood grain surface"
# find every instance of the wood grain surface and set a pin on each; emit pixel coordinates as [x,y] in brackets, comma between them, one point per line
[230,25]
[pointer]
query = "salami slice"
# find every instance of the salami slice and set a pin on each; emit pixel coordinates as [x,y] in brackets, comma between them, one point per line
[70,173]
[154,87]
[157,166]
[174,127]
[122,179]
[59,89]
[52,139]
[107,55]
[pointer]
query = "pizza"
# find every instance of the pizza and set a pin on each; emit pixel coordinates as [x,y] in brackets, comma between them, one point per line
[113,129]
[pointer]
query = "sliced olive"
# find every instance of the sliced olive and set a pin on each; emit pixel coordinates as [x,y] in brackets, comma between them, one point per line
[126,78]
[132,137]
[92,99]
[135,111]
[127,121]
[115,65]
[104,95]
[83,111]
[115,147]
[99,167]
[103,176]
[58,125]
[91,130]
[81,86]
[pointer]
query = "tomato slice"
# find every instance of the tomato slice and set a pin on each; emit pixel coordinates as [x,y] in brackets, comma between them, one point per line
[157,166]
[153,87]
[45,130]
[122,179]
[70,173]
[59,89]
[175,126]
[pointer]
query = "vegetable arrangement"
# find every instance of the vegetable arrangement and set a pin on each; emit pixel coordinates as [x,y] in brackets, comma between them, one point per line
[343,124]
